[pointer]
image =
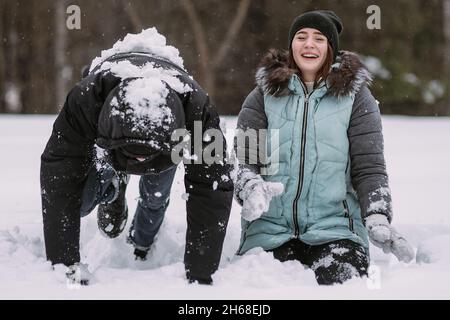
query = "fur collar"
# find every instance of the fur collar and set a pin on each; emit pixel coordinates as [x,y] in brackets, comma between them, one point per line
[346,77]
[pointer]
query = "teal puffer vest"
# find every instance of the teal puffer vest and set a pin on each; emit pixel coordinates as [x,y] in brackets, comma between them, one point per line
[319,204]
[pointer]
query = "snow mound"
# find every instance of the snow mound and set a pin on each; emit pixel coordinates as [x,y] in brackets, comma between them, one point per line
[256,269]
[421,216]
[99,251]
[434,250]
[15,244]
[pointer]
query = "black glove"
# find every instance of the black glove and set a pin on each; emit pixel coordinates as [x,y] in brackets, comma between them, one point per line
[102,184]
[78,273]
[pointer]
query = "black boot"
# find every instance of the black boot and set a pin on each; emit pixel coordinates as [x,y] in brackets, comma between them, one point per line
[112,217]
[140,254]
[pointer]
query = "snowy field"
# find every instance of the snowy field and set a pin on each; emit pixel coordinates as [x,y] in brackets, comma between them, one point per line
[418,160]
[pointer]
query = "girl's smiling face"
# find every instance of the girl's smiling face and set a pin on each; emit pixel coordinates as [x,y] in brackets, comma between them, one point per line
[309,49]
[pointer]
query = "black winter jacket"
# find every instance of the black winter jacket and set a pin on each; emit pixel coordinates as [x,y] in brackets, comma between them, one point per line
[69,155]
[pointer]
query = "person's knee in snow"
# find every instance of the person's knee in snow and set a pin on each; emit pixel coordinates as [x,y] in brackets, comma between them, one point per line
[335,270]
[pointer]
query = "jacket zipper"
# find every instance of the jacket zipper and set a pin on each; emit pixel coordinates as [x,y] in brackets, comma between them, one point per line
[302,162]
[347,211]
[347,215]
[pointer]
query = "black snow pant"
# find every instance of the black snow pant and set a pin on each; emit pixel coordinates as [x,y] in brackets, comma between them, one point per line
[333,262]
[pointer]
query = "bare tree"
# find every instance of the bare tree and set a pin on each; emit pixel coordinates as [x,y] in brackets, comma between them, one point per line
[446,13]
[208,66]
[12,89]
[2,58]
[133,16]
[62,77]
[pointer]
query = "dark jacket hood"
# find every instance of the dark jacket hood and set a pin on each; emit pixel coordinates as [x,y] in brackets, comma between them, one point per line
[348,74]
[119,124]
[125,121]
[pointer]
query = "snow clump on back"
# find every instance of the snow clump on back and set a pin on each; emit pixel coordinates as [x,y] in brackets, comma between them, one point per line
[146,94]
[145,100]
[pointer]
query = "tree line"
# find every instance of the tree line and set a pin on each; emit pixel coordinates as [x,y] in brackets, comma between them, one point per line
[222,43]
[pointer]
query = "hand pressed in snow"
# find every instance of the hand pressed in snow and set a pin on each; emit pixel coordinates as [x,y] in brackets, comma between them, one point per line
[384,236]
[78,273]
[256,196]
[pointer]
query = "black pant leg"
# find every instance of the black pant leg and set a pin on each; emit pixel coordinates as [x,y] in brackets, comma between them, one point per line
[338,261]
[292,250]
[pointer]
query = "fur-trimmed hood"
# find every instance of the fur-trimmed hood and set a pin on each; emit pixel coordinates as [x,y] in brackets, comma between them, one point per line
[348,74]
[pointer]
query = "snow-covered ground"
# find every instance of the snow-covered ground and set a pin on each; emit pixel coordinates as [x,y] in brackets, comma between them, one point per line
[418,159]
